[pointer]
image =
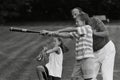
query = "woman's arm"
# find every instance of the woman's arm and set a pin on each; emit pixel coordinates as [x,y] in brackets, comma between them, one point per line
[57,34]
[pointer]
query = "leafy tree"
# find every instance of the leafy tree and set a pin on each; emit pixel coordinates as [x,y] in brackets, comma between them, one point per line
[12,8]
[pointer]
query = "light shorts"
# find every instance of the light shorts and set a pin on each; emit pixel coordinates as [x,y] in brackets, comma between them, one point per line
[84,68]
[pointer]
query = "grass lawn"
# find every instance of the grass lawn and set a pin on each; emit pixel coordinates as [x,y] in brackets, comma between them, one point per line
[18,51]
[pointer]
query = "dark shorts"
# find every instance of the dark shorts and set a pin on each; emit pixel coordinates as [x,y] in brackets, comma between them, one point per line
[54,78]
[46,74]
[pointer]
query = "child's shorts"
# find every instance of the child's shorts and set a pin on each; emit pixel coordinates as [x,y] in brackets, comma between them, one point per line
[84,68]
[49,77]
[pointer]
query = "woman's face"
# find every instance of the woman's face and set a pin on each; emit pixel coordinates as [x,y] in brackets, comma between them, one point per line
[75,12]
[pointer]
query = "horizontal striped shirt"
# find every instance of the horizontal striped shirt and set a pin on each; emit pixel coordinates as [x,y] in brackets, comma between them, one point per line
[84,44]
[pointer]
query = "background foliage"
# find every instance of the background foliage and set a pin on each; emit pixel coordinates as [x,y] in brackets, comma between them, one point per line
[12,10]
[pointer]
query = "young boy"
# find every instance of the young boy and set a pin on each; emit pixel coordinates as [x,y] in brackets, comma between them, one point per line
[84,65]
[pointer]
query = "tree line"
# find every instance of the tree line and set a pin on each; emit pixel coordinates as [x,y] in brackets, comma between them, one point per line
[55,9]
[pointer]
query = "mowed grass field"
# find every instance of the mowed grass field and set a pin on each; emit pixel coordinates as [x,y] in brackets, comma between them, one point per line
[18,51]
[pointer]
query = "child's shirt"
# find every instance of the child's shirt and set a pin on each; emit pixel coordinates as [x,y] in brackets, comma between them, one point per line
[84,44]
[54,65]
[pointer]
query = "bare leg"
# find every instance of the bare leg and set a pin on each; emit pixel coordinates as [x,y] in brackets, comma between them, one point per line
[40,70]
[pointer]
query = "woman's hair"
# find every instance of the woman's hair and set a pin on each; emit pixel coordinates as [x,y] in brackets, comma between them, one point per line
[63,47]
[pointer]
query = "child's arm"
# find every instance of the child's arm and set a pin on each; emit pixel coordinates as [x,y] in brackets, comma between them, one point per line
[55,49]
[57,34]
[40,56]
[68,29]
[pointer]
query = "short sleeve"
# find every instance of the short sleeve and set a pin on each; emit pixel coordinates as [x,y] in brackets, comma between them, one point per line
[74,35]
[98,24]
[82,30]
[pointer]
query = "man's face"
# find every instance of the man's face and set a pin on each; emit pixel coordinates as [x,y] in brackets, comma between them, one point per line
[75,13]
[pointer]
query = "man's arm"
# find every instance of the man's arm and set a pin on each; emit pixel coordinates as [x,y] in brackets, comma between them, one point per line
[101,34]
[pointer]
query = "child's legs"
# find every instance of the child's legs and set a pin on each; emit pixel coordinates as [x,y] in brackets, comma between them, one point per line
[54,78]
[77,74]
[88,68]
[84,69]
[41,72]
[89,79]
[108,62]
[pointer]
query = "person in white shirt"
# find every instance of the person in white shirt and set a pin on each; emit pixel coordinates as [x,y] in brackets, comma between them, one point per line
[53,69]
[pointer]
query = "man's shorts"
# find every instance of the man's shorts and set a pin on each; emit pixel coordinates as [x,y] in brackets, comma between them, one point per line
[84,68]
